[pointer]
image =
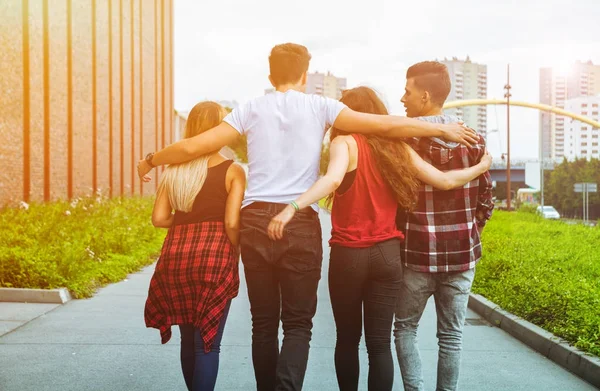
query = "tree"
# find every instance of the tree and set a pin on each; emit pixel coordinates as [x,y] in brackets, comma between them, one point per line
[559,183]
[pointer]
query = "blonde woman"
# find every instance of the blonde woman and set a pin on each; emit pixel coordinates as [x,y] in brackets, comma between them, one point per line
[197,273]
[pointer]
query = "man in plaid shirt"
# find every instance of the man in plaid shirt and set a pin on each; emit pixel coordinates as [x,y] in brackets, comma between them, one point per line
[442,244]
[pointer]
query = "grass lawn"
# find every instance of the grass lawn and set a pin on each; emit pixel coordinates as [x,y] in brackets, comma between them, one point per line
[80,245]
[547,272]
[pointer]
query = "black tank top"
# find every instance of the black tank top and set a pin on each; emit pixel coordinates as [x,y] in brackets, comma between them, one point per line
[209,204]
[346,182]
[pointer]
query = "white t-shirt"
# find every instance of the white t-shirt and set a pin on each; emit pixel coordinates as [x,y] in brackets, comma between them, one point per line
[285,136]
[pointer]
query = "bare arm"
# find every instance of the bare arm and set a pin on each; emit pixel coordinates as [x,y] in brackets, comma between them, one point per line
[162,216]
[401,127]
[190,148]
[449,179]
[338,165]
[236,184]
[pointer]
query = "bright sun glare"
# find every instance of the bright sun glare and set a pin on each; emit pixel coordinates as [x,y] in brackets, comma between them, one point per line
[563,68]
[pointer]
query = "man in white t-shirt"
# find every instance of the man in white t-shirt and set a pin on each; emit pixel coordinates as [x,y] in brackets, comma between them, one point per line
[285,132]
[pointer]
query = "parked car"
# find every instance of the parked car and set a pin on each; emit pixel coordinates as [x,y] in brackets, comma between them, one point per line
[548,212]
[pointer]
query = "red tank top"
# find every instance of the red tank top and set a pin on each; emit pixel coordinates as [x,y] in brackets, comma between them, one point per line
[365,213]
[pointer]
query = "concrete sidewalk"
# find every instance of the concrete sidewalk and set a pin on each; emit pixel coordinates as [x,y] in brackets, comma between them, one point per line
[102,344]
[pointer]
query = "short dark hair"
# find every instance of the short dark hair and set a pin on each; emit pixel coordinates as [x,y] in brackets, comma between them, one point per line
[288,62]
[433,77]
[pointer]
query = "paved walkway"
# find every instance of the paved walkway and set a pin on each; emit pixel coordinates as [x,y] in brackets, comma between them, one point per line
[102,344]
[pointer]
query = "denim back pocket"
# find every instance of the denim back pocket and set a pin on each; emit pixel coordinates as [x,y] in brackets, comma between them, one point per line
[386,261]
[343,259]
[390,252]
[304,251]
[254,248]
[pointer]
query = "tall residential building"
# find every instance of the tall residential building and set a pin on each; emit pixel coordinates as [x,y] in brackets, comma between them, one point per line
[583,79]
[581,140]
[469,81]
[325,84]
[81,105]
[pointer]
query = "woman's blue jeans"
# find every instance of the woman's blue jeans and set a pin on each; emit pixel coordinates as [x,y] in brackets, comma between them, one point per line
[199,368]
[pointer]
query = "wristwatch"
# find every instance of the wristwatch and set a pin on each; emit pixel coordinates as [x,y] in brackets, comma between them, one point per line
[149,159]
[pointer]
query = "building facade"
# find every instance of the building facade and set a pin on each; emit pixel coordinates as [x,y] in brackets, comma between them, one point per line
[87,91]
[581,140]
[556,88]
[325,84]
[469,81]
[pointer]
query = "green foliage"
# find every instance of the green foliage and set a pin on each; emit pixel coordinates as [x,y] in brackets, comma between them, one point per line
[547,272]
[527,208]
[240,148]
[324,159]
[558,187]
[500,191]
[80,245]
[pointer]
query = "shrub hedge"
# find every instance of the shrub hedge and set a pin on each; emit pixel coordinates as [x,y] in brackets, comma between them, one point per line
[80,245]
[546,272]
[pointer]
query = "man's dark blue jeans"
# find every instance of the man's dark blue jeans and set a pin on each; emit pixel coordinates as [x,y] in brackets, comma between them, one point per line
[282,278]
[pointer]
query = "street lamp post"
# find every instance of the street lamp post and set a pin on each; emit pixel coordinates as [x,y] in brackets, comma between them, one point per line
[507,95]
[542,166]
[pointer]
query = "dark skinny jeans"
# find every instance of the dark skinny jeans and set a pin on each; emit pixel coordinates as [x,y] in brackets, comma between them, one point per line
[366,278]
[200,369]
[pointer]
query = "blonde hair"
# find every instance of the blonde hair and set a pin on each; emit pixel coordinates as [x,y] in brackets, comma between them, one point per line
[183,182]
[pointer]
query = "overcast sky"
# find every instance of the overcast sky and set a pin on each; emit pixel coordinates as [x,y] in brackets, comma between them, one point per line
[221,47]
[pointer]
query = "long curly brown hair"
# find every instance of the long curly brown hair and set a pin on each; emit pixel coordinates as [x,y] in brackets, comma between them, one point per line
[392,156]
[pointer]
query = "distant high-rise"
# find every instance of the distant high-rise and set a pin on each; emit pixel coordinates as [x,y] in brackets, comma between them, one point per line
[469,81]
[583,79]
[325,84]
[581,140]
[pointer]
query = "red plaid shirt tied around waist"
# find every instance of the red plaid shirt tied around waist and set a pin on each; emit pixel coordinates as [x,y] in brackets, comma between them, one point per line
[442,233]
[196,274]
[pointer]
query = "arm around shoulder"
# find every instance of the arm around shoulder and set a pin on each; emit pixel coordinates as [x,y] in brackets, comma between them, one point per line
[191,148]
[401,127]
[449,179]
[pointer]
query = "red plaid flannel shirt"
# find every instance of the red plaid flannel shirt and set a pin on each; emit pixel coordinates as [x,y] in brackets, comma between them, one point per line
[195,276]
[442,232]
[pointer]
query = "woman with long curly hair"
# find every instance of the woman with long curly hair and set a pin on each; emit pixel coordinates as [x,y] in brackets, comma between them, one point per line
[368,178]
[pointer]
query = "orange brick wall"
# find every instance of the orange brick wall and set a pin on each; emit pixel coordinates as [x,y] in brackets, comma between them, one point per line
[138,119]
[11,101]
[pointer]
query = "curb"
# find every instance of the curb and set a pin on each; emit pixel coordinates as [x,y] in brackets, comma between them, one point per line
[585,366]
[45,296]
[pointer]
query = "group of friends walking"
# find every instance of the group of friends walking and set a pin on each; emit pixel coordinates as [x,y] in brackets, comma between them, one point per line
[409,197]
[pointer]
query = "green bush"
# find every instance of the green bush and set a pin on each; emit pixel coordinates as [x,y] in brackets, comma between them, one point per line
[546,272]
[527,208]
[80,245]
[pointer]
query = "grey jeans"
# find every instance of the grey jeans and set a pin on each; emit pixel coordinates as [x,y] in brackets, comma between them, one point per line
[451,294]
